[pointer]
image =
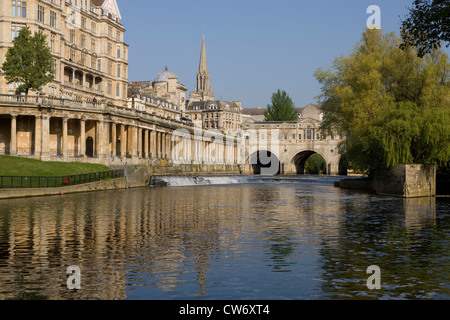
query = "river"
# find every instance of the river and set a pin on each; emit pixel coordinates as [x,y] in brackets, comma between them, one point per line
[226,238]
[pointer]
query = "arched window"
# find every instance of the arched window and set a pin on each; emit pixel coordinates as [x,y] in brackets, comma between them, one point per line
[308,133]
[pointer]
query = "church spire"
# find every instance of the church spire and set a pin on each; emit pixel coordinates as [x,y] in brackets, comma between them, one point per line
[203,85]
[203,67]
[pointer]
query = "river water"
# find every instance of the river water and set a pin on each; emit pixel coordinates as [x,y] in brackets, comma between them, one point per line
[226,238]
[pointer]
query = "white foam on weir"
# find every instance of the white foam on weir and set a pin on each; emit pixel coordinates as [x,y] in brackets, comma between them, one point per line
[179,181]
[186,181]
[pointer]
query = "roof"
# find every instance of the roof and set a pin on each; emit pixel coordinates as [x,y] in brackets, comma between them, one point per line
[260,111]
[221,104]
[164,76]
[98,3]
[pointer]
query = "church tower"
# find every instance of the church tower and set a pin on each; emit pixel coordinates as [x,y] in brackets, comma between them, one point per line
[203,91]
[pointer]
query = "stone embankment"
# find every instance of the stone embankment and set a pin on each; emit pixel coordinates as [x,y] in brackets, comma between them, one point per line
[135,177]
[407,181]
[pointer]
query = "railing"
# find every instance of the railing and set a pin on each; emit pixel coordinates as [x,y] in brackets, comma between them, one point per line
[56,182]
[44,101]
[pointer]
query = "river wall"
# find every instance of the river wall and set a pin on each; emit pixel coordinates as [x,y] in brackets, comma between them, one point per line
[135,177]
[112,184]
[407,181]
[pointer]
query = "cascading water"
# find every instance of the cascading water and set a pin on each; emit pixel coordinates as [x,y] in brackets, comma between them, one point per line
[186,181]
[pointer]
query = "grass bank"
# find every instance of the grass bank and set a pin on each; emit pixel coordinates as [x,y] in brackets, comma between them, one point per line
[16,166]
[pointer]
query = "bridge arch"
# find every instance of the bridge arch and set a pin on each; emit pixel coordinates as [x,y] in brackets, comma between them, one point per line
[299,160]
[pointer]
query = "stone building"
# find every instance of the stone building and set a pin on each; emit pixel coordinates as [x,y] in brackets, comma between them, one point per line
[203,90]
[166,91]
[85,114]
[208,113]
[86,39]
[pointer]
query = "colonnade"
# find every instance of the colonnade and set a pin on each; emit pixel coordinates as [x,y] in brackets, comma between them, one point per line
[46,136]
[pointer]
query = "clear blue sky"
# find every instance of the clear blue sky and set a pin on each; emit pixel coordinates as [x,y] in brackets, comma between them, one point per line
[254,47]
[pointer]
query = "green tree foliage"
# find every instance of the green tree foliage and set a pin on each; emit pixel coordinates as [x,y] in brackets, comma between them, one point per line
[282,108]
[315,164]
[427,26]
[392,106]
[28,62]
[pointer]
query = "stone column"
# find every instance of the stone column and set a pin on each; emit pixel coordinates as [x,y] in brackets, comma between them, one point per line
[123,141]
[105,139]
[164,145]
[153,144]
[168,146]
[146,143]
[13,140]
[139,142]
[134,142]
[64,137]
[113,138]
[38,136]
[83,138]
[158,145]
[45,137]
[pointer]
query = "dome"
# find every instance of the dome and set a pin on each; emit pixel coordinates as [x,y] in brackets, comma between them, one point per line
[164,76]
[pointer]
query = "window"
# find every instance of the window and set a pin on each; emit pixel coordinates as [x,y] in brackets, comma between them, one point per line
[41,14]
[118,70]
[72,35]
[83,59]
[109,48]
[72,55]
[92,45]
[93,27]
[83,41]
[117,90]
[15,31]
[293,137]
[109,87]
[93,62]
[300,136]
[52,43]
[308,133]
[19,9]
[118,51]
[83,22]
[110,67]
[53,18]
[99,65]
[13,86]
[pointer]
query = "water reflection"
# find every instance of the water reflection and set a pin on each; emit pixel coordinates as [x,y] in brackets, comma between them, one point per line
[269,241]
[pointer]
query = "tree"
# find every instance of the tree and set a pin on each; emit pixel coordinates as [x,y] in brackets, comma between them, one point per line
[315,164]
[282,108]
[392,106]
[427,26]
[28,62]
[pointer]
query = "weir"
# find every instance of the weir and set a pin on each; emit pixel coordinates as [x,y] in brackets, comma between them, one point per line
[203,180]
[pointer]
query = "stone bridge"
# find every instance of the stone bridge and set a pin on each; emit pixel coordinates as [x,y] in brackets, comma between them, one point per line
[284,147]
